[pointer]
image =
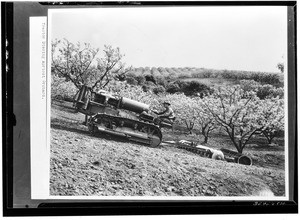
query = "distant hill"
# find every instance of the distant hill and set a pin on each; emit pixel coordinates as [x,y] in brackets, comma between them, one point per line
[165,76]
[213,82]
[209,77]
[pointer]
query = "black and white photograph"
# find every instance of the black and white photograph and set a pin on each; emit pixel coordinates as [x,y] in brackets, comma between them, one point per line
[168,103]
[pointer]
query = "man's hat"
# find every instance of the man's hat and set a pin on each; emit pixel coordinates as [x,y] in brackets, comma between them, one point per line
[167,103]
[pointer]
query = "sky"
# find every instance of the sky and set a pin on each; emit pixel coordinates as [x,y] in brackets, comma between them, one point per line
[250,38]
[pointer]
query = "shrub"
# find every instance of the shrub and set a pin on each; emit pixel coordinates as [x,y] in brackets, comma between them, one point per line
[249,85]
[161,81]
[158,89]
[267,78]
[147,71]
[131,73]
[262,91]
[163,72]
[150,78]
[227,74]
[139,71]
[150,84]
[184,75]
[146,88]
[269,91]
[198,74]
[207,74]
[140,79]
[155,72]
[60,89]
[244,75]
[194,88]
[131,81]
[173,88]
[278,92]
[181,83]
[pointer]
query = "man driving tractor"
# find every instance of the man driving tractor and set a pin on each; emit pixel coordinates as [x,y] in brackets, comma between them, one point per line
[167,115]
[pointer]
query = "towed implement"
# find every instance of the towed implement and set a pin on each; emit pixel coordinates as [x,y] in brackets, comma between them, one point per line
[119,116]
[222,154]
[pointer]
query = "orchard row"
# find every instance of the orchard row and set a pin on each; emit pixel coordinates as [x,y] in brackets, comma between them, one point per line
[238,112]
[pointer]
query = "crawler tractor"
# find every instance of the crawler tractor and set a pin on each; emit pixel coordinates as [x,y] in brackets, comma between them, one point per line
[120,116]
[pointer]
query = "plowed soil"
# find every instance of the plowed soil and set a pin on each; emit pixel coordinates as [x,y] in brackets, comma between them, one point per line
[86,165]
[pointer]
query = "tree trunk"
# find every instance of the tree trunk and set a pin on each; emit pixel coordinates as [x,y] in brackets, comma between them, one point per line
[205,135]
[238,145]
[240,150]
[231,136]
[86,119]
[189,126]
[205,139]
[241,147]
[270,139]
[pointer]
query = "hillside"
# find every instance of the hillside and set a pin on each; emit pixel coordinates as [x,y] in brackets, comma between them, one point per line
[190,81]
[213,82]
[82,164]
[194,73]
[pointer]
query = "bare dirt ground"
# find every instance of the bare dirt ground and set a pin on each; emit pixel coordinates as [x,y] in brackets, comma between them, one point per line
[85,165]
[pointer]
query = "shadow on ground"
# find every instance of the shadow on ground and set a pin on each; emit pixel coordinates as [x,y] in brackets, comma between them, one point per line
[79,128]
